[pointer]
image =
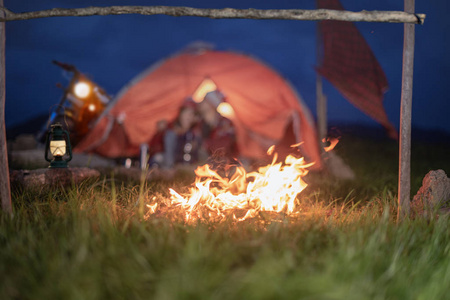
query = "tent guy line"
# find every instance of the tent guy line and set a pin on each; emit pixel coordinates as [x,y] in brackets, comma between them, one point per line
[223,13]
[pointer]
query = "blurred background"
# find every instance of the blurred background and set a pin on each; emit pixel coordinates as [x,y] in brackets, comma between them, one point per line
[112,50]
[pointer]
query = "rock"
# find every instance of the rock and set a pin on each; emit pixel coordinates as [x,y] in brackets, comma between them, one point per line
[51,177]
[34,158]
[91,161]
[23,142]
[433,195]
[338,167]
[27,159]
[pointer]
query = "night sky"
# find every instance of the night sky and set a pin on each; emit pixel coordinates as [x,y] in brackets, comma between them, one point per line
[112,50]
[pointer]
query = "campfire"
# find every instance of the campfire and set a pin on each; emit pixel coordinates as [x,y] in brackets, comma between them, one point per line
[241,195]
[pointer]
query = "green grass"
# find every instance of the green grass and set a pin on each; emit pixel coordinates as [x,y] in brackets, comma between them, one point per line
[92,241]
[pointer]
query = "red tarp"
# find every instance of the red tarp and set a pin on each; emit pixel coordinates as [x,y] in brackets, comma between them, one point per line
[264,104]
[350,65]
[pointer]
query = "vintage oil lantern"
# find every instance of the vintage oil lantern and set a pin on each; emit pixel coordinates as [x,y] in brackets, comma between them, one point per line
[58,145]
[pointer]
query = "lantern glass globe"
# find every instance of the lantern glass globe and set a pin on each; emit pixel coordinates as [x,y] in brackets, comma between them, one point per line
[58,148]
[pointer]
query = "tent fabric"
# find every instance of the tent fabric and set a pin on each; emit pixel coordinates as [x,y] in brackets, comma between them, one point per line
[264,104]
[350,65]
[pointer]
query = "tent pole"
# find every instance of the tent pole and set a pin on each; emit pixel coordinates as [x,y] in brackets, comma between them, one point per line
[143,156]
[404,176]
[5,189]
[321,100]
[321,103]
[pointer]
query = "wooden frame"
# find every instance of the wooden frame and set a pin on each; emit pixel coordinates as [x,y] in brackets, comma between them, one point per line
[408,17]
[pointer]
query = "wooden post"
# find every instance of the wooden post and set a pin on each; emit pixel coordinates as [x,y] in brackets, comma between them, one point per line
[321,104]
[404,176]
[5,190]
[321,100]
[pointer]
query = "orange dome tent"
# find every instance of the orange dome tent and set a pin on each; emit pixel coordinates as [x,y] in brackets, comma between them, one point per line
[265,105]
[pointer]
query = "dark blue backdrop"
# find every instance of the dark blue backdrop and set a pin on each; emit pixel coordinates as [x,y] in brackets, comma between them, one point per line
[114,49]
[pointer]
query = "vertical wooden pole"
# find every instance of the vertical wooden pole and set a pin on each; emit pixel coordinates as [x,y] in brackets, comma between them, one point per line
[321,100]
[321,106]
[404,176]
[5,190]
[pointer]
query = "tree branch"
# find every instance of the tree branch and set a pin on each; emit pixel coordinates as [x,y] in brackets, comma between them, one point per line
[224,13]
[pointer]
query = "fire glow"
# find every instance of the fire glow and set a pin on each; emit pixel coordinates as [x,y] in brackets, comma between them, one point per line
[272,188]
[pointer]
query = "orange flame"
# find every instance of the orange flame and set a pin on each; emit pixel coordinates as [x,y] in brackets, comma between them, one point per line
[333,143]
[152,208]
[272,188]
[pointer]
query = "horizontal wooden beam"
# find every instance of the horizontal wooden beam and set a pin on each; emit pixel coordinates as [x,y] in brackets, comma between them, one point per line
[223,13]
